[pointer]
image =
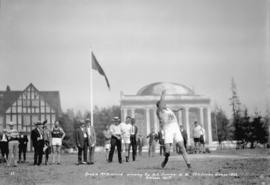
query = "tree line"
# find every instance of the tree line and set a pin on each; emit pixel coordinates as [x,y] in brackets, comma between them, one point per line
[247,129]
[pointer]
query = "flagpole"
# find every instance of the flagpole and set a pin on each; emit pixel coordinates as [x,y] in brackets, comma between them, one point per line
[91,92]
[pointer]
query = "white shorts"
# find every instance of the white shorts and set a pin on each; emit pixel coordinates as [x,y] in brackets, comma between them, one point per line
[57,141]
[107,146]
[126,140]
[172,133]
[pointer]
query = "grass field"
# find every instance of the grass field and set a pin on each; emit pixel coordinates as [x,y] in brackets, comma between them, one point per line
[221,167]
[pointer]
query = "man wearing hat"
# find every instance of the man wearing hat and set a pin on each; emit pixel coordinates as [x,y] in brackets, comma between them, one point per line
[91,140]
[13,137]
[81,140]
[47,142]
[116,139]
[4,145]
[38,142]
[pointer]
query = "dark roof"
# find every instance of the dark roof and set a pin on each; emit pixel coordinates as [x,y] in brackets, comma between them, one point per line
[7,98]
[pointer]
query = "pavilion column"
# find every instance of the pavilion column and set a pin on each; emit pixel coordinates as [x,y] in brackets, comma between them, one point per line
[156,121]
[209,127]
[187,124]
[201,117]
[179,114]
[147,114]
[132,114]
[124,114]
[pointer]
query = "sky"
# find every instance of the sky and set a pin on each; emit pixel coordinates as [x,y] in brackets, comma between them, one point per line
[201,44]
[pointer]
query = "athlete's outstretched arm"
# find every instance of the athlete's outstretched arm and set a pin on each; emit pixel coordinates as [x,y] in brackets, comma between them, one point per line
[177,110]
[162,99]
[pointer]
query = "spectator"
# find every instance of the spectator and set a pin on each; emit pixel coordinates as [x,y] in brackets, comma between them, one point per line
[152,143]
[81,140]
[38,143]
[47,142]
[4,145]
[202,142]
[116,140]
[23,140]
[91,141]
[197,132]
[107,143]
[161,141]
[58,135]
[13,143]
[140,144]
[184,134]
[133,140]
[126,132]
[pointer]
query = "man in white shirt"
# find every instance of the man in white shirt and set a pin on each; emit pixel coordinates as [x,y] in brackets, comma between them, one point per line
[202,142]
[133,139]
[115,130]
[126,132]
[197,133]
[13,144]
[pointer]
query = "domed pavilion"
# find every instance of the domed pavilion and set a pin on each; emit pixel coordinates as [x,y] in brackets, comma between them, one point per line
[142,106]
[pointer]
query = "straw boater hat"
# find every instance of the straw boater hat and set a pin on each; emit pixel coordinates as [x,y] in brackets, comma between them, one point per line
[11,123]
[82,122]
[116,119]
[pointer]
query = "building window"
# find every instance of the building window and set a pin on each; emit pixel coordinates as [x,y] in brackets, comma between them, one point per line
[53,118]
[14,109]
[48,118]
[24,110]
[48,109]
[35,103]
[19,102]
[34,119]
[19,109]
[42,103]
[26,103]
[19,118]
[26,120]
[9,110]
[43,117]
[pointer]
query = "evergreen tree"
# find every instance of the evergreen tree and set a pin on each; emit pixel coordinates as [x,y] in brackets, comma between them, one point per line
[237,123]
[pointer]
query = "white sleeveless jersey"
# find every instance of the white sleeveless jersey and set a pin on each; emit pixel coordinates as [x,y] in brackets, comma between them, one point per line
[167,116]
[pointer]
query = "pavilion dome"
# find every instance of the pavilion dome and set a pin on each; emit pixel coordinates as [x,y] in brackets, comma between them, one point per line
[171,88]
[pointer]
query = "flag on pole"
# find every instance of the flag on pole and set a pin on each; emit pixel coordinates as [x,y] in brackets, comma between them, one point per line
[96,66]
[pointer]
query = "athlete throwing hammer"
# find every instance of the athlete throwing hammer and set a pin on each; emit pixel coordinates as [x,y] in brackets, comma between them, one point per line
[168,120]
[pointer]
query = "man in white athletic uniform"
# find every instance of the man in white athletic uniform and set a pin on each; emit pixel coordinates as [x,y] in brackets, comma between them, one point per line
[172,132]
[126,132]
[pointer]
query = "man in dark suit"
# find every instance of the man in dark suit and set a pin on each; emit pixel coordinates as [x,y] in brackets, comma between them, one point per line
[161,141]
[38,143]
[91,141]
[133,139]
[4,145]
[23,140]
[81,140]
[184,134]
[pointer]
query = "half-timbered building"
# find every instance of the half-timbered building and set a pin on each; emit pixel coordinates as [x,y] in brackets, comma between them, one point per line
[27,107]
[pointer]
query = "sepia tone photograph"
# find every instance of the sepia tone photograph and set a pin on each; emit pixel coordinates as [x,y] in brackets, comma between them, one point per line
[132,92]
